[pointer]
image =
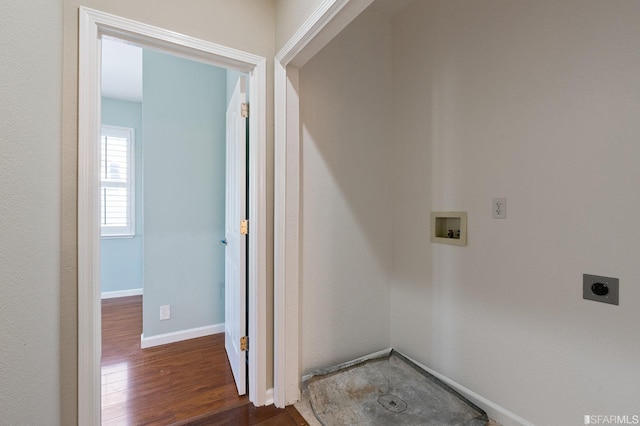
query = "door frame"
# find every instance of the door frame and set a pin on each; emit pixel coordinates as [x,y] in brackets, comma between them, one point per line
[93,25]
[331,17]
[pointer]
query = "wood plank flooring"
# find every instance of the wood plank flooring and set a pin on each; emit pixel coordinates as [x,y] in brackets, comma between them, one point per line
[187,383]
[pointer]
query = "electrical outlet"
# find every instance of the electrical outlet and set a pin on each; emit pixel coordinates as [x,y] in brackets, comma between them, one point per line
[601,289]
[165,312]
[499,210]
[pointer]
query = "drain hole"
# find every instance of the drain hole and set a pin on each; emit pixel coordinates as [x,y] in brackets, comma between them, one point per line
[392,403]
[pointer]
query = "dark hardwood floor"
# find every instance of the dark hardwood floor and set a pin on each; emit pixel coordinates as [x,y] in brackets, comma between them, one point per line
[187,383]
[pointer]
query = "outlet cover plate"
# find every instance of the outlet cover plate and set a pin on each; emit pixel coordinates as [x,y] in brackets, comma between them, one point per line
[612,284]
[165,312]
[499,209]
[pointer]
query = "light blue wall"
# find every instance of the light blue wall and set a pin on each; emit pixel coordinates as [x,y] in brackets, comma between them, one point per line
[121,258]
[184,184]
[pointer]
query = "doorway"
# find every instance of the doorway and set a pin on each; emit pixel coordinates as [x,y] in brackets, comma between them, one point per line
[166,187]
[95,25]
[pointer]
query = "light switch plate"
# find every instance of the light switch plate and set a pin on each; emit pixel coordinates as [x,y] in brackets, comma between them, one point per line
[602,284]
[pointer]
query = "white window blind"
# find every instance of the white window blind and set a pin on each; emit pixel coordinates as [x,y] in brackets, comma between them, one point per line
[116,182]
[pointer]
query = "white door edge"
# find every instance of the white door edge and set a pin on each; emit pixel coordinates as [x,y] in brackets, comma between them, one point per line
[93,25]
[235,283]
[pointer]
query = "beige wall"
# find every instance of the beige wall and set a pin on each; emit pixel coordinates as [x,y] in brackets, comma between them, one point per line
[346,213]
[538,102]
[290,15]
[30,145]
[247,25]
[534,101]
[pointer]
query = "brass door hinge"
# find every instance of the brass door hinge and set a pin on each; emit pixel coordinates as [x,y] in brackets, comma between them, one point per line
[244,343]
[244,227]
[244,110]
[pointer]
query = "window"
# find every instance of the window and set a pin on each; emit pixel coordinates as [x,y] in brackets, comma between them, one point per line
[116,182]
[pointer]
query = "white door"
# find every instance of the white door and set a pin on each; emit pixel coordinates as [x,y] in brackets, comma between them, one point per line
[235,259]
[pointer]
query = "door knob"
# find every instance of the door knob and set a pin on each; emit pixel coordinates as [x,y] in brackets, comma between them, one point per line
[223,242]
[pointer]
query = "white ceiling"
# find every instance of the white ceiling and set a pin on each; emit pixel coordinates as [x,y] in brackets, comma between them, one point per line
[121,70]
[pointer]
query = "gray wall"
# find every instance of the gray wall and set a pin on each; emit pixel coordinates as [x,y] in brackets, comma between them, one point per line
[346,214]
[537,102]
[533,101]
[30,144]
[290,15]
[183,116]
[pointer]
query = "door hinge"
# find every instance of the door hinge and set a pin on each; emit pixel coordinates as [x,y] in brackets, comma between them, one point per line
[244,343]
[244,227]
[244,110]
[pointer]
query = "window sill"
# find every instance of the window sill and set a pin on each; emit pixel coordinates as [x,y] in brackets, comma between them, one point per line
[116,237]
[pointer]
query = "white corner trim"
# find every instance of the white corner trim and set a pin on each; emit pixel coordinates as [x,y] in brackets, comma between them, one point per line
[331,17]
[494,411]
[279,238]
[179,336]
[268,398]
[309,29]
[286,374]
[121,293]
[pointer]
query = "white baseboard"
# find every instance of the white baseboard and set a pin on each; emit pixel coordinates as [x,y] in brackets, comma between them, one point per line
[493,410]
[268,399]
[121,293]
[178,336]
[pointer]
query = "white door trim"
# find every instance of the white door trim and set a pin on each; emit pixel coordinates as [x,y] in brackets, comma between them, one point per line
[331,17]
[93,25]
